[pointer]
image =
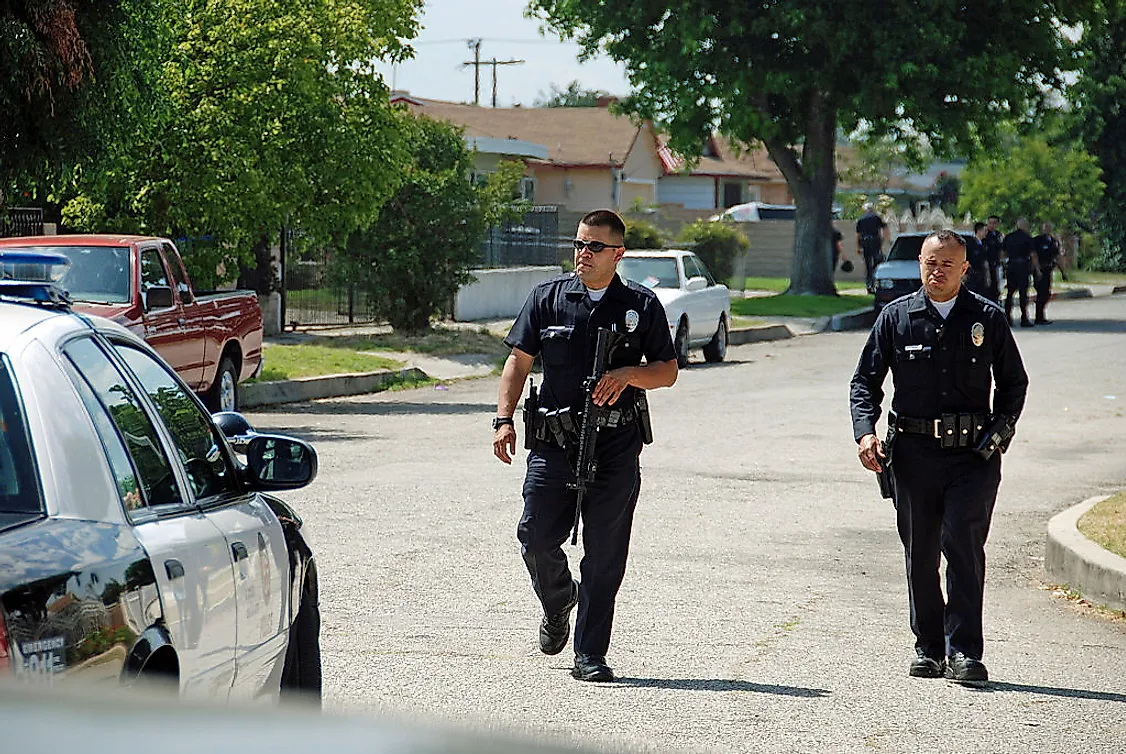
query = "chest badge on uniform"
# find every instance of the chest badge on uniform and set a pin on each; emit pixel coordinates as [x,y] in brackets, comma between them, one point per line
[977,334]
[633,319]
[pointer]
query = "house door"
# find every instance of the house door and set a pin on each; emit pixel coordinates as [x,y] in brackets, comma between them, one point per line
[732,194]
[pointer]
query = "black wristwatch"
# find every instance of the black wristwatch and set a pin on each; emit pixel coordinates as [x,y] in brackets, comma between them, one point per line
[500,421]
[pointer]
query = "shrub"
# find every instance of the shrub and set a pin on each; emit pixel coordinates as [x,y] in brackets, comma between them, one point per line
[643,235]
[717,243]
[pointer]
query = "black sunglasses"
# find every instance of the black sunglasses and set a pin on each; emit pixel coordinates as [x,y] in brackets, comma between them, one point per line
[594,246]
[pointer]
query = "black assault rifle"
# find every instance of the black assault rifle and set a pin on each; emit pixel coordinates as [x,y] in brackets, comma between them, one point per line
[585,464]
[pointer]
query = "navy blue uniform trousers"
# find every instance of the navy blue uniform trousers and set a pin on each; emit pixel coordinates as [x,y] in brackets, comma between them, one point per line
[607,516]
[944,502]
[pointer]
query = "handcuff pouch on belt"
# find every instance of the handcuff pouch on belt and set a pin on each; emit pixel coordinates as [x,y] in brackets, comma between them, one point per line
[559,427]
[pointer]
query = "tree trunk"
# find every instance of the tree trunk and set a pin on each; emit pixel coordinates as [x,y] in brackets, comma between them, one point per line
[813,182]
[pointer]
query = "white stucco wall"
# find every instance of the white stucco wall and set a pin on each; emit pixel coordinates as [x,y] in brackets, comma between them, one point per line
[499,293]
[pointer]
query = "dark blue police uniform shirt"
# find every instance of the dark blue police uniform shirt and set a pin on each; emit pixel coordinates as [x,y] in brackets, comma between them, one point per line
[938,367]
[1018,246]
[560,321]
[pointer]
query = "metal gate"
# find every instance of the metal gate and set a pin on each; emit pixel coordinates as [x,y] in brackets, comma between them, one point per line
[531,240]
[21,221]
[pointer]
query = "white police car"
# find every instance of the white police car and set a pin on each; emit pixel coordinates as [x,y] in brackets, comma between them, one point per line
[135,545]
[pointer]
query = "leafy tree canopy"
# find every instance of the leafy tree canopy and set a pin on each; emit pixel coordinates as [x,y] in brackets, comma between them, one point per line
[789,74]
[1034,180]
[572,96]
[427,236]
[1099,95]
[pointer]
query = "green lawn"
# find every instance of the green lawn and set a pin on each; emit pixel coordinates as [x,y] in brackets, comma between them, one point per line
[778,285]
[1095,278]
[798,306]
[284,362]
[439,341]
[1105,524]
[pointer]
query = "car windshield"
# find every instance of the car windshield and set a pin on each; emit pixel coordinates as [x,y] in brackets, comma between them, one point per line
[97,274]
[19,491]
[652,272]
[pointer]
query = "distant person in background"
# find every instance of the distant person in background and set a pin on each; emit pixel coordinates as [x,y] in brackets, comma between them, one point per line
[1047,248]
[993,242]
[978,277]
[871,230]
[1020,259]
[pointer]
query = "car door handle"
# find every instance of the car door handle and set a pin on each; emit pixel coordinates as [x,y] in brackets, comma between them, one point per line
[174,569]
[238,550]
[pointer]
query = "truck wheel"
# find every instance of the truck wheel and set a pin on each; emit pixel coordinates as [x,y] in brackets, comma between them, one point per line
[223,395]
[680,344]
[716,349]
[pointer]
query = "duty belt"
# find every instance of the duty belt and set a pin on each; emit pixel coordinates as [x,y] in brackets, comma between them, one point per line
[951,430]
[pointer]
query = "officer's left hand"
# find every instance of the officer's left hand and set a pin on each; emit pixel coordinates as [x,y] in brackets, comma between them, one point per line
[610,387]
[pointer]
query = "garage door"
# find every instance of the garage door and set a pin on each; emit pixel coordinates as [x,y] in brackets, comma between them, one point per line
[693,193]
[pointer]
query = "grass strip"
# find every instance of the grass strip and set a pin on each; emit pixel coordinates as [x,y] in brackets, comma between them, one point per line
[1105,524]
[286,362]
[798,306]
[439,341]
[779,285]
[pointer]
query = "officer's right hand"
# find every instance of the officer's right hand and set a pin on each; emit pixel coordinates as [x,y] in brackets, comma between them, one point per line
[870,452]
[504,442]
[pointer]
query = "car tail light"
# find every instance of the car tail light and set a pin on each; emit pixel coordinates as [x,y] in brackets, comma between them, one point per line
[5,653]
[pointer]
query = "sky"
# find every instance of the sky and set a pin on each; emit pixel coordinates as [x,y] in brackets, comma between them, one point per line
[441,47]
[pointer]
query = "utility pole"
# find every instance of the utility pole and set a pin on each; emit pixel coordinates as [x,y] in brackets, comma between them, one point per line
[475,45]
[494,63]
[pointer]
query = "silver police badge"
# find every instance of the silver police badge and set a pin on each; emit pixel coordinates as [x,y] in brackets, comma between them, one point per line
[633,319]
[977,334]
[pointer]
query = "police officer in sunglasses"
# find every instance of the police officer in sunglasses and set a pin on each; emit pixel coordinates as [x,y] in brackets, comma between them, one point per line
[559,323]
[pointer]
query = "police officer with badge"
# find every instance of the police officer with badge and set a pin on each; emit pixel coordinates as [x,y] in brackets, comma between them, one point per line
[1047,249]
[946,347]
[561,321]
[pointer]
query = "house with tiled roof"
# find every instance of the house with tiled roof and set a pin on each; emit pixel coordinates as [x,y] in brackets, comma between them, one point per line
[582,158]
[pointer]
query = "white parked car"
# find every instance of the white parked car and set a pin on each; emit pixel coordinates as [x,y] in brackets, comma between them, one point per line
[698,308]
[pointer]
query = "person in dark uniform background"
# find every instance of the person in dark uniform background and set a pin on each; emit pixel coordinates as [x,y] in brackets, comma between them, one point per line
[560,320]
[993,249]
[977,278]
[1047,249]
[871,231]
[1021,262]
[941,345]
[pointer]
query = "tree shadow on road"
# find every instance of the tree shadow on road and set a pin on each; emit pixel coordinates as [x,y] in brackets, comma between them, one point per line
[718,684]
[1098,696]
[1093,326]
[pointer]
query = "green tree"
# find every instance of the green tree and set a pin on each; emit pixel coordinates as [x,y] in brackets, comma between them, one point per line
[1099,95]
[1044,183]
[256,113]
[572,96]
[790,74]
[719,244]
[427,236]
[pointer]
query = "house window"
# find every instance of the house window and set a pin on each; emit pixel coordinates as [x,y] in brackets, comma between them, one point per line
[732,194]
[528,189]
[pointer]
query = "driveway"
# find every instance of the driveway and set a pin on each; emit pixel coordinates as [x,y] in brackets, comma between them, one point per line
[765,605]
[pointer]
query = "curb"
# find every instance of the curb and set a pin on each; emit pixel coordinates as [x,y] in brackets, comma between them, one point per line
[1070,293]
[1118,289]
[330,386]
[758,334]
[1097,574]
[857,319]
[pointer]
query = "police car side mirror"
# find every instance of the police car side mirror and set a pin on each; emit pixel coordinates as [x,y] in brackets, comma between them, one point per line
[696,284]
[277,462]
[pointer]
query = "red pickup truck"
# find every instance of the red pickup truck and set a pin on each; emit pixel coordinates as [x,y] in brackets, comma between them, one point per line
[212,339]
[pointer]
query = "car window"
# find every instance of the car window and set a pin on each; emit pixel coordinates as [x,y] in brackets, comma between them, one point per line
[201,447]
[19,487]
[124,474]
[181,279]
[652,272]
[152,270]
[133,424]
[702,269]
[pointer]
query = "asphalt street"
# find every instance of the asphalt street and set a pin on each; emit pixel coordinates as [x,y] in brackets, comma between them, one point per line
[765,605]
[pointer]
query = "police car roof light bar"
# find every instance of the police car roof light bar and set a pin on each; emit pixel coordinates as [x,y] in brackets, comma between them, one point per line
[33,277]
